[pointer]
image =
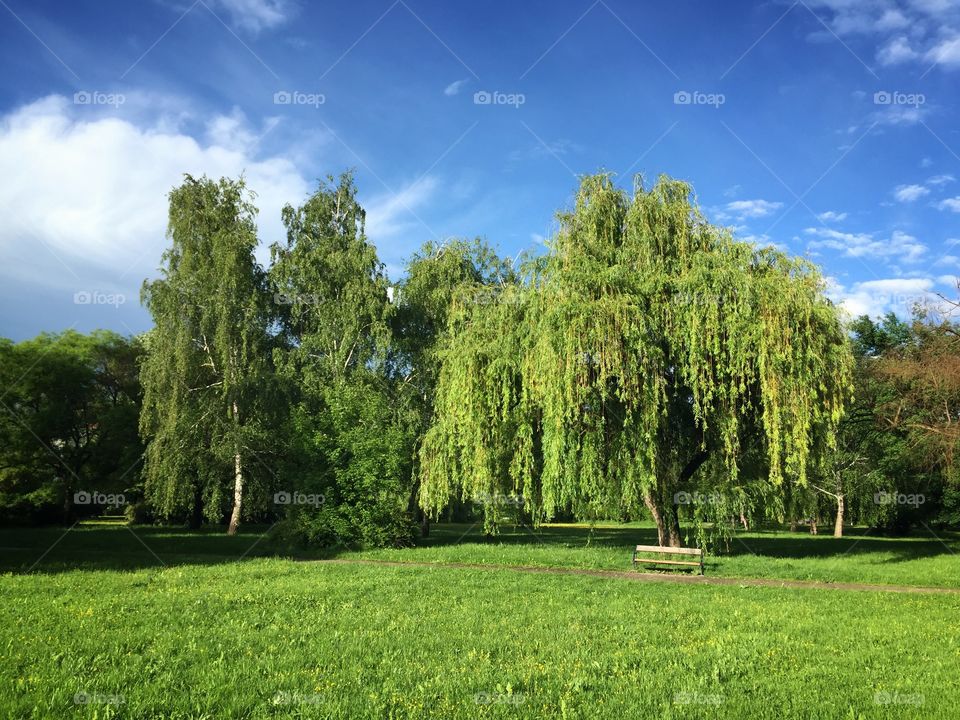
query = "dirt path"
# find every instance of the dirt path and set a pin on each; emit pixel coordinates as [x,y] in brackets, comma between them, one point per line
[658,577]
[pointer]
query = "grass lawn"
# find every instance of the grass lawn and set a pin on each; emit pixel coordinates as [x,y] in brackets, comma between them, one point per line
[925,559]
[197,626]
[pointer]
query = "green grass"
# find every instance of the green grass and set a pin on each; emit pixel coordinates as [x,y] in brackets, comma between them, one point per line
[922,560]
[199,627]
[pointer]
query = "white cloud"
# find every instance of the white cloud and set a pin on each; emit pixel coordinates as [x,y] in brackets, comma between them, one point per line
[899,246]
[831,216]
[900,115]
[878,297]
[952,204]
[255,15]
[752,208]
[454,87]
[938,180]
[910,193]
[391,214]
[915,31]
[93,190]
[897,51]
[946,52]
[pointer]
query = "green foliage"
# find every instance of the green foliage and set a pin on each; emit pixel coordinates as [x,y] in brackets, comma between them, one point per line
[206,372]
[67,423]
[646,340]
[347,437]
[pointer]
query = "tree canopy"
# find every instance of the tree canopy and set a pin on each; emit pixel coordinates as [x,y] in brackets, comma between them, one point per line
[642,356]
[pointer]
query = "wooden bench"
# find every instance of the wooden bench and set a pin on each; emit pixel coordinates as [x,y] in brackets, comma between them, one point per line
[694,556]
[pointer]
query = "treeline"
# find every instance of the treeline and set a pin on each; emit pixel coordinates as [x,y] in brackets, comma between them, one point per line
[595,381]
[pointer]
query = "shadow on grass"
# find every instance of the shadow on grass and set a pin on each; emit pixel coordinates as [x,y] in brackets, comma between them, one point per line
[121,547]
[766,543]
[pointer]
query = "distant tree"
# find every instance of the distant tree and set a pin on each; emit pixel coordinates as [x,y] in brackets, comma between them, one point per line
[67,422]
[348,429]
[640,358]
[436,275]
[207,368]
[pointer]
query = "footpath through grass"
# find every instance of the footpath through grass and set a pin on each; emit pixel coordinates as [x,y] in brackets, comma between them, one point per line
[274,638]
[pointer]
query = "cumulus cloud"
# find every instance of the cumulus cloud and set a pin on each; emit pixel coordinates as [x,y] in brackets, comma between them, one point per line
[910,193]
[903,31]
[878,297]
[93,189]
[899,246]
[952,204]
[743,209]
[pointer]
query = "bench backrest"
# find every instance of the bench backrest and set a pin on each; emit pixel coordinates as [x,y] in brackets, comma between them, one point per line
[669,550]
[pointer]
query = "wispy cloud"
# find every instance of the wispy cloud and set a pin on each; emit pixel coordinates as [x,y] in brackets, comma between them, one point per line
[455,87]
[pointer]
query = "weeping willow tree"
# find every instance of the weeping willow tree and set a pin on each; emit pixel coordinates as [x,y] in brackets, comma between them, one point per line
[648,360]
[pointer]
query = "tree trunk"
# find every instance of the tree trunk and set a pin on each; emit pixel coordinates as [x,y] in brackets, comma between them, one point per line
[793,525]
[425,526]
[813,526]
[674,527]
[654,509]
[237,484]
[743,521]
[195,521]
[838,525]
[237,495]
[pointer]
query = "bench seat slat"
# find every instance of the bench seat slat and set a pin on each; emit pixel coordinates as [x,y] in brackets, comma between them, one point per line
[652,561]
[669,550]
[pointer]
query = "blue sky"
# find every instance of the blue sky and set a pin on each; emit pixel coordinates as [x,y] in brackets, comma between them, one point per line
[826,127]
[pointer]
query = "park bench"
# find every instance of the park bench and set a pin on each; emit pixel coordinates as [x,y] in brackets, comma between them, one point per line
[693,556]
